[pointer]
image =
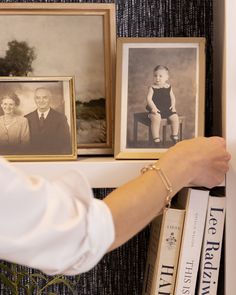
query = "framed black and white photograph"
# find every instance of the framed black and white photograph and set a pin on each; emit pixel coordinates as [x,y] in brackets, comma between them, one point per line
[66,39]
[37,118]
[160,94]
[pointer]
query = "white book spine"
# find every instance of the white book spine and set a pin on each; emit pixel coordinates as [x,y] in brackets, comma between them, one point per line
[163,251]
[194,224]
[168,252]
[212,245]
[152,254]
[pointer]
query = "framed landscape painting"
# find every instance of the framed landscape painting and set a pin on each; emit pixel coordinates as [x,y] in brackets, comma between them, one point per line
[37,118]
[66,39]
[160,94]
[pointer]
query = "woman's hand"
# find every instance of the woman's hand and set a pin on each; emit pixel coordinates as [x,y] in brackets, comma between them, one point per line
[203,161]
[200,161]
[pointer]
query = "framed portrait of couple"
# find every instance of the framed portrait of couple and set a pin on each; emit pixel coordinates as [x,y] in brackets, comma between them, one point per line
[37,118]
[160,94]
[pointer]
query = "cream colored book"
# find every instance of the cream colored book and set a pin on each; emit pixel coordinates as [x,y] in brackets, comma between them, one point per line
[163,252]
[212,245]
[195,202]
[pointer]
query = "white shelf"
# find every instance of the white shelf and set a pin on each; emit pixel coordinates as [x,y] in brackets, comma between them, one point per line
[101,172]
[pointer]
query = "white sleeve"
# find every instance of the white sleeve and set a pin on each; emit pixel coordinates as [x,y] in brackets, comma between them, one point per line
[55,226]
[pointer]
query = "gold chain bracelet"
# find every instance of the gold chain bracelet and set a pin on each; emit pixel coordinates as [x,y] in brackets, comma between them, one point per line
[164,179]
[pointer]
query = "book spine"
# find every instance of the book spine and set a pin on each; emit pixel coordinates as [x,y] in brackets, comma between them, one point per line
[152,254]
[168,252]
[195,217]
[211,252]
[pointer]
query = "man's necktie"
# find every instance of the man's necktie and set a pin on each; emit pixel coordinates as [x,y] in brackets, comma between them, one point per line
[41,120]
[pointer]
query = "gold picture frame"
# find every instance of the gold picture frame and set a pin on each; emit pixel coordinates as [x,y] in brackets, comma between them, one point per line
[183,62]
[71,39]
[37,118]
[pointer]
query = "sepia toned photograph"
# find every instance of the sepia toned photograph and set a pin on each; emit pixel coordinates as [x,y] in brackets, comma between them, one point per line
[62,39]
[160,94]
[37,118]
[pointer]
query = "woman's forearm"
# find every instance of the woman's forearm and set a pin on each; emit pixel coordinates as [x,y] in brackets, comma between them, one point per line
[135,204]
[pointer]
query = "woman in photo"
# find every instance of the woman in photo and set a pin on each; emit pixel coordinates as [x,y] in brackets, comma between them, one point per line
[14,129]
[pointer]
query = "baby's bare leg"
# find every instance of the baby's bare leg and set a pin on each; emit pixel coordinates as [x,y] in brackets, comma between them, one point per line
[155,126]
[174,121]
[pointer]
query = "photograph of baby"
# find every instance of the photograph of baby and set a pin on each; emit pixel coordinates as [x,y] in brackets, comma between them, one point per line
[161,89]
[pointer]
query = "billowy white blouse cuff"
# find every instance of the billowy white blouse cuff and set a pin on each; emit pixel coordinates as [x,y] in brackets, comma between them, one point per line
[55,226]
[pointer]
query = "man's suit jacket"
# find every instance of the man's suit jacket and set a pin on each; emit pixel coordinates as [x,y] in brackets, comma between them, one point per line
[53,138]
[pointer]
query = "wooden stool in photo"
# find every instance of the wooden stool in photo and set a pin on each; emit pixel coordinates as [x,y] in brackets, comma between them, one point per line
[142,118]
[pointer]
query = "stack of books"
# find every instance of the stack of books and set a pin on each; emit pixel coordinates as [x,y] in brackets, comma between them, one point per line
[185,245]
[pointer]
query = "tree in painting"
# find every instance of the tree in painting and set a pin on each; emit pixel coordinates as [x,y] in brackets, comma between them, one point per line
[18,59]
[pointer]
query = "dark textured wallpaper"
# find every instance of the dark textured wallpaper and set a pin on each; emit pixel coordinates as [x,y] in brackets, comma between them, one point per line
[121,272]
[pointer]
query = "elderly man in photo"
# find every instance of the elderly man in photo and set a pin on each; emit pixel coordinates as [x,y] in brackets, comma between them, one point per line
[49,129]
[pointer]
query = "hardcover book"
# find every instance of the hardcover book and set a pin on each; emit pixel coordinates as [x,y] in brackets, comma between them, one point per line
[212,245]
[196,202]
[164,245]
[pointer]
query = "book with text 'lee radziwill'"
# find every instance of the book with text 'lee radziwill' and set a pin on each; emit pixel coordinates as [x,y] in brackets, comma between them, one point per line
[195,201]
[212,245]
[163,252]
